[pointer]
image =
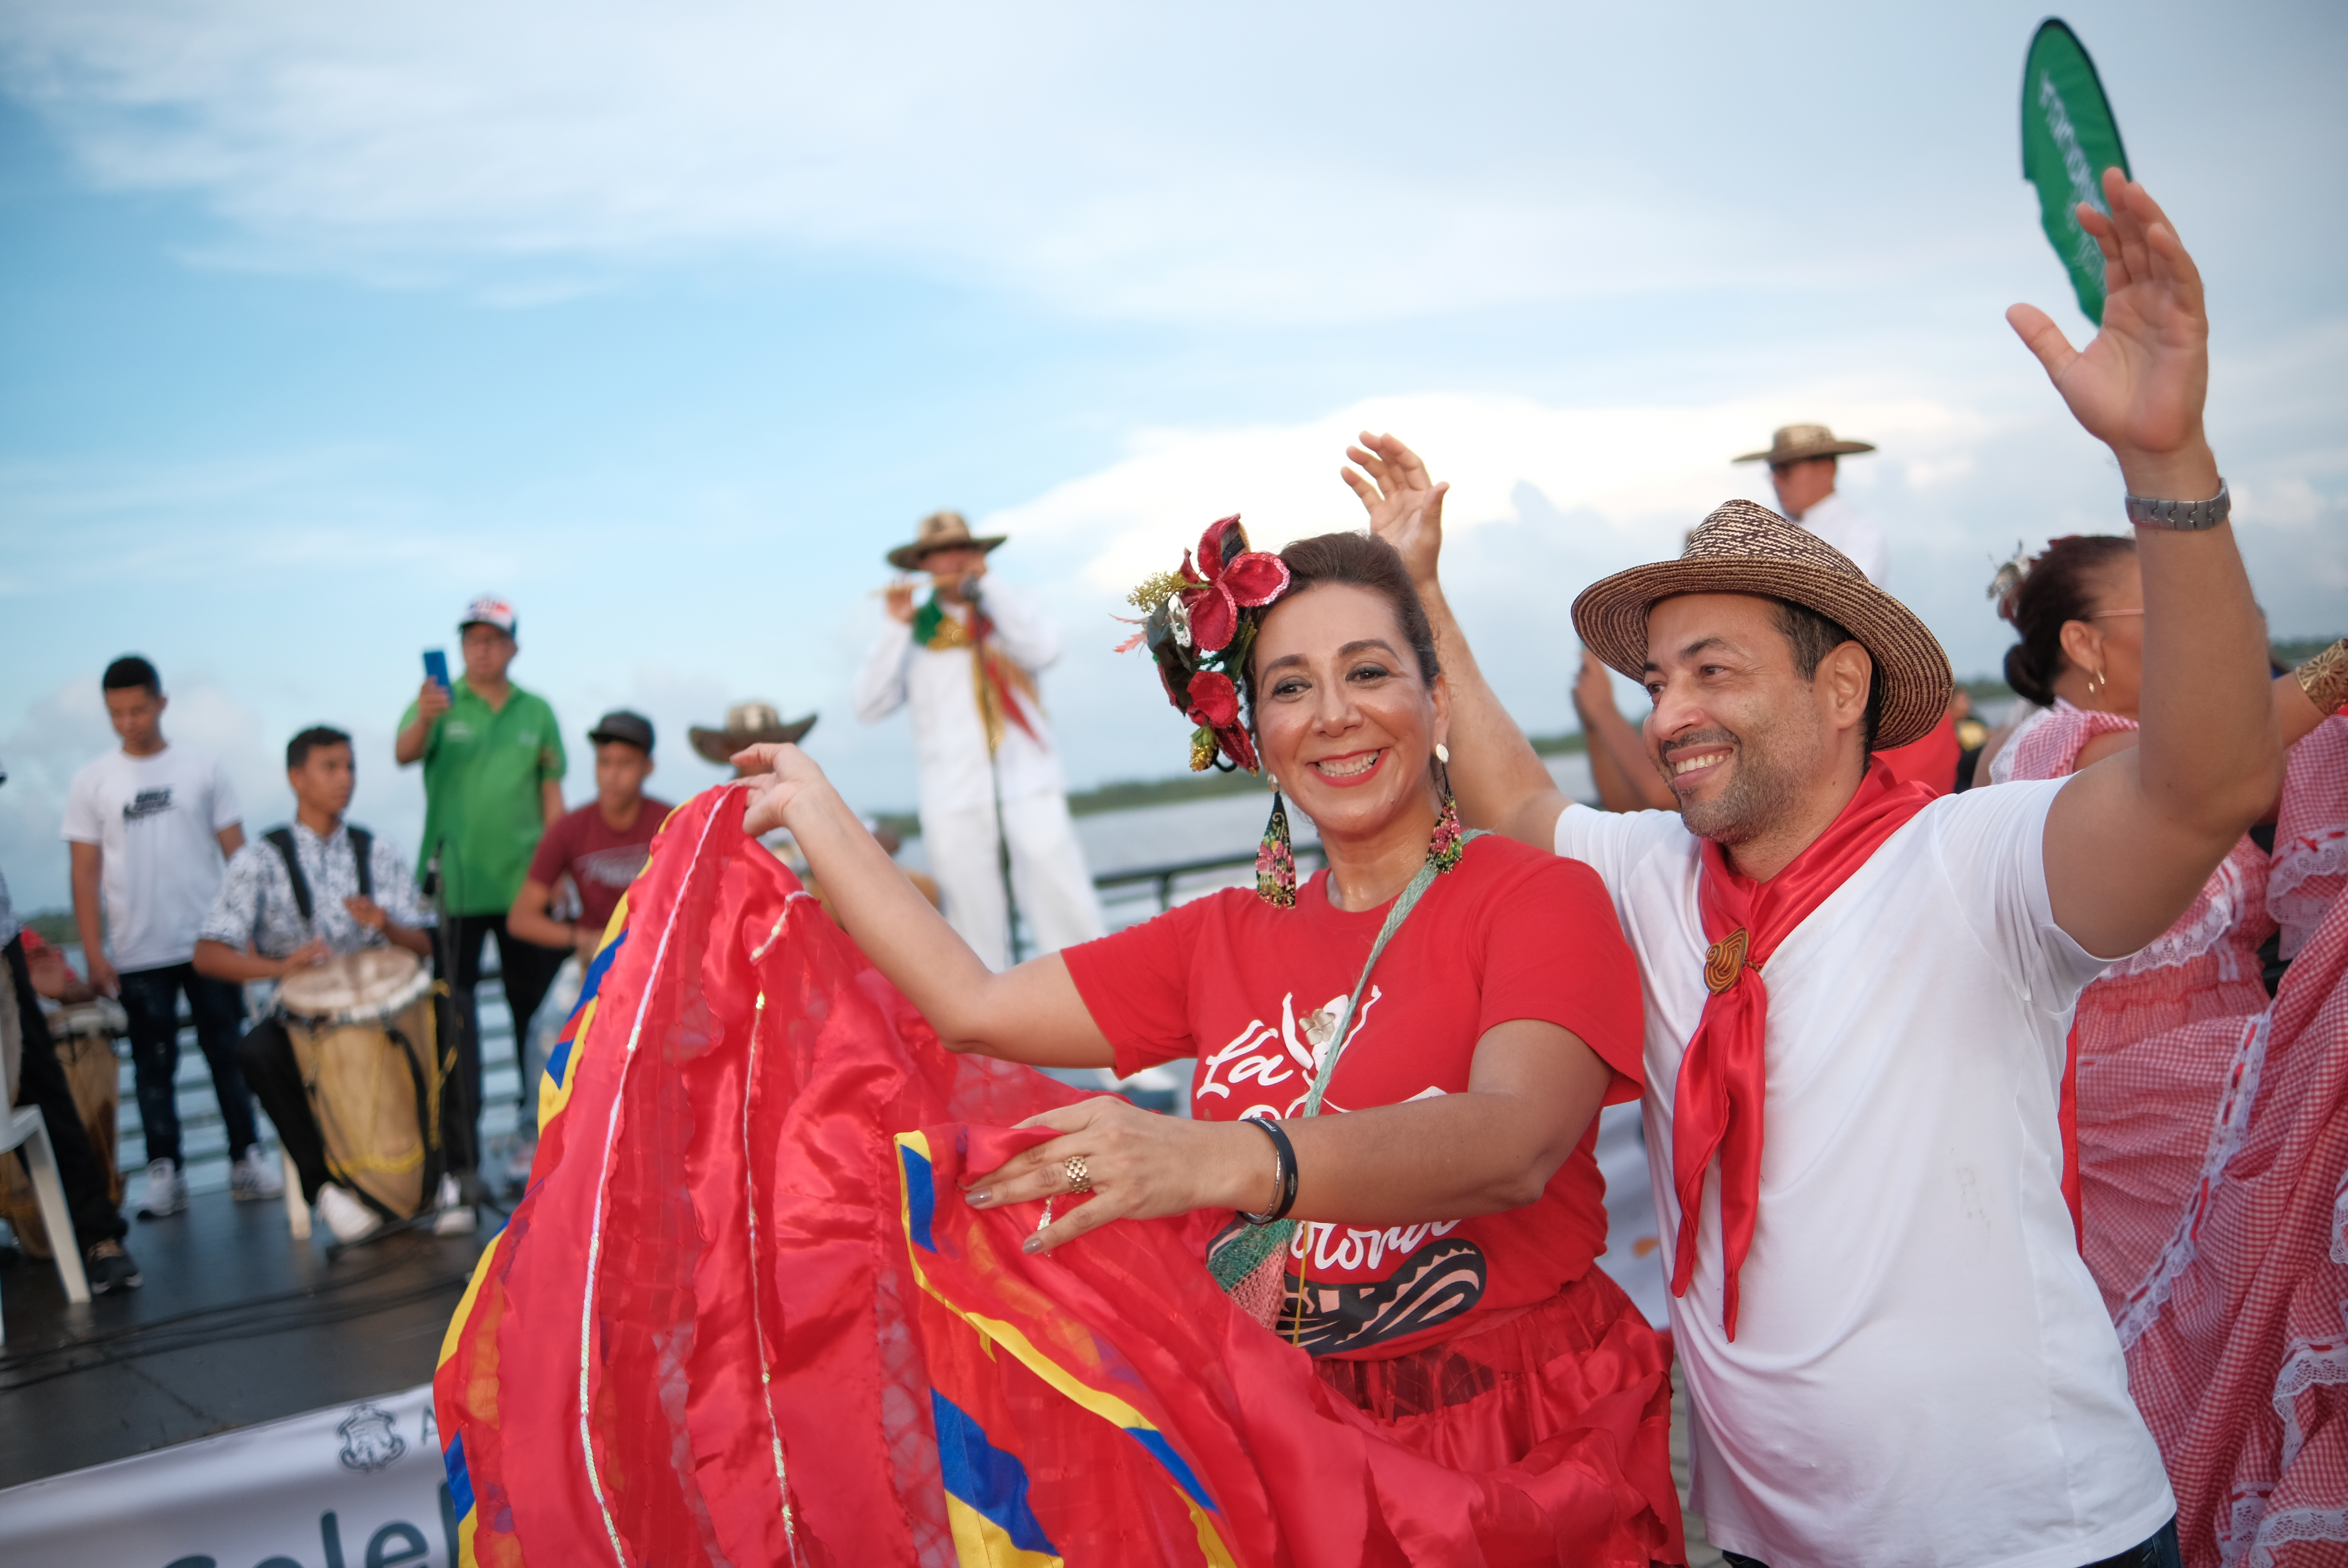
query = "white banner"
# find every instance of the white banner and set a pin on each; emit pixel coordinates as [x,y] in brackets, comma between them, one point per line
[356,1486]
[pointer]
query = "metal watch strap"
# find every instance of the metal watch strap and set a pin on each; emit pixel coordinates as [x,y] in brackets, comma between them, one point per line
[2181,516]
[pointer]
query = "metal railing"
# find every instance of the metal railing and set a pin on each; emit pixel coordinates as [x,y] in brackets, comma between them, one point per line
[1161,880]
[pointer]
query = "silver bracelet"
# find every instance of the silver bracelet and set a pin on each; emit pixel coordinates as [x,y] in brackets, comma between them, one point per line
[2181,516]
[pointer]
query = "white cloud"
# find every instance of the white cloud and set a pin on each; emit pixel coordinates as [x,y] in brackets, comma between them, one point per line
[1224,162]
[1642,475]
[1546,499]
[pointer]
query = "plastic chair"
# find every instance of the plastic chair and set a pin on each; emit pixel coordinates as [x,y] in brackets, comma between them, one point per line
[24,1127]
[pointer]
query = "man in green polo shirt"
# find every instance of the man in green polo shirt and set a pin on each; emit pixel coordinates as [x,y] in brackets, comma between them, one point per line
[493,766]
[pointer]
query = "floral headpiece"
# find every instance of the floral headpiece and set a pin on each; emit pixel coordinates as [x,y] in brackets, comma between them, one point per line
[2005,587]
[1198,627]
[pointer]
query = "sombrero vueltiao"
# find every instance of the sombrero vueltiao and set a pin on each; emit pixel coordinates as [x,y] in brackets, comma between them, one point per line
[747,724]
[1799,442]
[941,531]
[1743,548]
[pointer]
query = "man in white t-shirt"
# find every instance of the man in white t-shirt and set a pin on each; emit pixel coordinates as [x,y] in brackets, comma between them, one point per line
[1804,462]
[1893,1352]
[152,825]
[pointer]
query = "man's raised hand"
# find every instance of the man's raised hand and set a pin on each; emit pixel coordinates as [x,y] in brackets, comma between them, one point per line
[1406,507]
[2139,385]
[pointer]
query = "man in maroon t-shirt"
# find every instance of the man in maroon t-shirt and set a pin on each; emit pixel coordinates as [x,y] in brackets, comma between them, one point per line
[602,845]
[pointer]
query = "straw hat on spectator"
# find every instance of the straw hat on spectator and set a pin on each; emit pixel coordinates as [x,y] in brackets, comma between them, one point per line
[941,531]
[747,724]
[1743,548]
[1799,442]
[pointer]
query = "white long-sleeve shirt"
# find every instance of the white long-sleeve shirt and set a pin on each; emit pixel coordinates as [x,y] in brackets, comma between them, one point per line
[1836,520]
[949,737]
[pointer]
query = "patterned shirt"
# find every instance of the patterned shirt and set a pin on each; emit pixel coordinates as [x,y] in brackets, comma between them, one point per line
[256,899]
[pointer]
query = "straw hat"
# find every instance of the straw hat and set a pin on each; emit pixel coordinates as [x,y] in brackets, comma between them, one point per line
[1743,548]
[747,724]
[1794,443]
[940,532]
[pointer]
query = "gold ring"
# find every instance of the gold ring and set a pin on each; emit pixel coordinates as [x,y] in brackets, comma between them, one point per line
[1078,1181]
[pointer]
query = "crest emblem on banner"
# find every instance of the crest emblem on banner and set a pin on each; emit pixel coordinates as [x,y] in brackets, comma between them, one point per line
[370,1439]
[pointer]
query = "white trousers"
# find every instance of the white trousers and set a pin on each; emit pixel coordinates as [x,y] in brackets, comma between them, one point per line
[1048,876]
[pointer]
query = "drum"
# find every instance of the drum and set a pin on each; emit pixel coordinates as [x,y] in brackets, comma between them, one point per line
[84,1037]
[362,1028]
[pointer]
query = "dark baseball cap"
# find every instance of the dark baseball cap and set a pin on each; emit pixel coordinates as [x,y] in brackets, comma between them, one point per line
[620,724]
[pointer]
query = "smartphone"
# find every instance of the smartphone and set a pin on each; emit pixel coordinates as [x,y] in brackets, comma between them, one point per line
[435,667]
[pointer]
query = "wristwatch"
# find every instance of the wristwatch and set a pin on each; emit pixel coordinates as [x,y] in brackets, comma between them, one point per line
[2181,516]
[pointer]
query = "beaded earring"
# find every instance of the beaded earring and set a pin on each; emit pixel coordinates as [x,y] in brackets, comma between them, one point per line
[1445,847]
[1275,856]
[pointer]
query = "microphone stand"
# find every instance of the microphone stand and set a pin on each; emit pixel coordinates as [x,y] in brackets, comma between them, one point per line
[457,1106]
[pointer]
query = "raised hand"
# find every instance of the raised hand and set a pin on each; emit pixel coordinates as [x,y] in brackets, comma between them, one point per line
[1592,692]
[2139,385]
[898,598]
[776,775]
[1405,506]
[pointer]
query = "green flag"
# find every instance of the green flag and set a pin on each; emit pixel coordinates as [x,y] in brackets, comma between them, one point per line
[2068,139]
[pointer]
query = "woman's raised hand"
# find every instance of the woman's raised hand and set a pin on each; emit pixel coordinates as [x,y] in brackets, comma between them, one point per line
[1405,506]
[1139,1166]
[776,775]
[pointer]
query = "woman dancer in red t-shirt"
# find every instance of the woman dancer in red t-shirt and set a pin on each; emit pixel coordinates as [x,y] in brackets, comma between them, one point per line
[1441,1274]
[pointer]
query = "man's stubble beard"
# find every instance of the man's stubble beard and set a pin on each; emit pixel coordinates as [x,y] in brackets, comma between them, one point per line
[1764,784]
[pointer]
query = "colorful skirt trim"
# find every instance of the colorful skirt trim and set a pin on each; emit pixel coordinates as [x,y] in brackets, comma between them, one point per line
[743,1316]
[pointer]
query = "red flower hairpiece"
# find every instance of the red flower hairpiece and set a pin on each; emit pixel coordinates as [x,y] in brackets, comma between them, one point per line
[1196,624]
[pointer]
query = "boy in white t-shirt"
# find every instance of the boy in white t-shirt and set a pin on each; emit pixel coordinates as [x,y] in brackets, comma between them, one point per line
[152,825]
[1894,1353]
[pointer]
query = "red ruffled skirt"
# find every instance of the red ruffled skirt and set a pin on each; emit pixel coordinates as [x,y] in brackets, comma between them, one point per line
[742,1315]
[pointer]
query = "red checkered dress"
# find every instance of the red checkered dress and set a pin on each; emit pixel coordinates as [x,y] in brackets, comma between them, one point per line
[2214,1176]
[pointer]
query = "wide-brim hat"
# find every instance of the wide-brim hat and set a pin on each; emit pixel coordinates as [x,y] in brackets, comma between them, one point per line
[1799,442]
[747,724]
[1745,547]
[941,531]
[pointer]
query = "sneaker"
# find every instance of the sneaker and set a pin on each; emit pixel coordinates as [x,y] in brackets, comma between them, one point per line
[255,1179]
[108,1267]
[348,1218]
[167,1190]
[455,1216]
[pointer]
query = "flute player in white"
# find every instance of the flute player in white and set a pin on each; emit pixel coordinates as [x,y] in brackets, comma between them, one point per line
[965,659]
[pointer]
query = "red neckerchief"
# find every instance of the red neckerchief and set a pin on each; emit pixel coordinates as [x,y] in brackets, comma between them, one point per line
[1716,1106]
[991,661]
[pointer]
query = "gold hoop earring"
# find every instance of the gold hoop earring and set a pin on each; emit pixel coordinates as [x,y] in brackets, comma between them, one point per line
[2095,684]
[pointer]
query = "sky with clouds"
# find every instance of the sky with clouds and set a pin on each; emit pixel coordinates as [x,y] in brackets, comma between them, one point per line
[666,323]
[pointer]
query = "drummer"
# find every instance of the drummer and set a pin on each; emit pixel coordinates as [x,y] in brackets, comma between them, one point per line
[256,932]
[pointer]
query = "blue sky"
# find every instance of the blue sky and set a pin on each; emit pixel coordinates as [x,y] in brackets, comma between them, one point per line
[665,325]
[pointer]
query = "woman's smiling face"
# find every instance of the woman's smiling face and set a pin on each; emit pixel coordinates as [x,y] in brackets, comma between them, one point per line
[1343,716]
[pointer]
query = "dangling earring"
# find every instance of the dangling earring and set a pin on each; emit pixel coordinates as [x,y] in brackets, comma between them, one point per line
[1445,848]
[2095,685]
[1276,857]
